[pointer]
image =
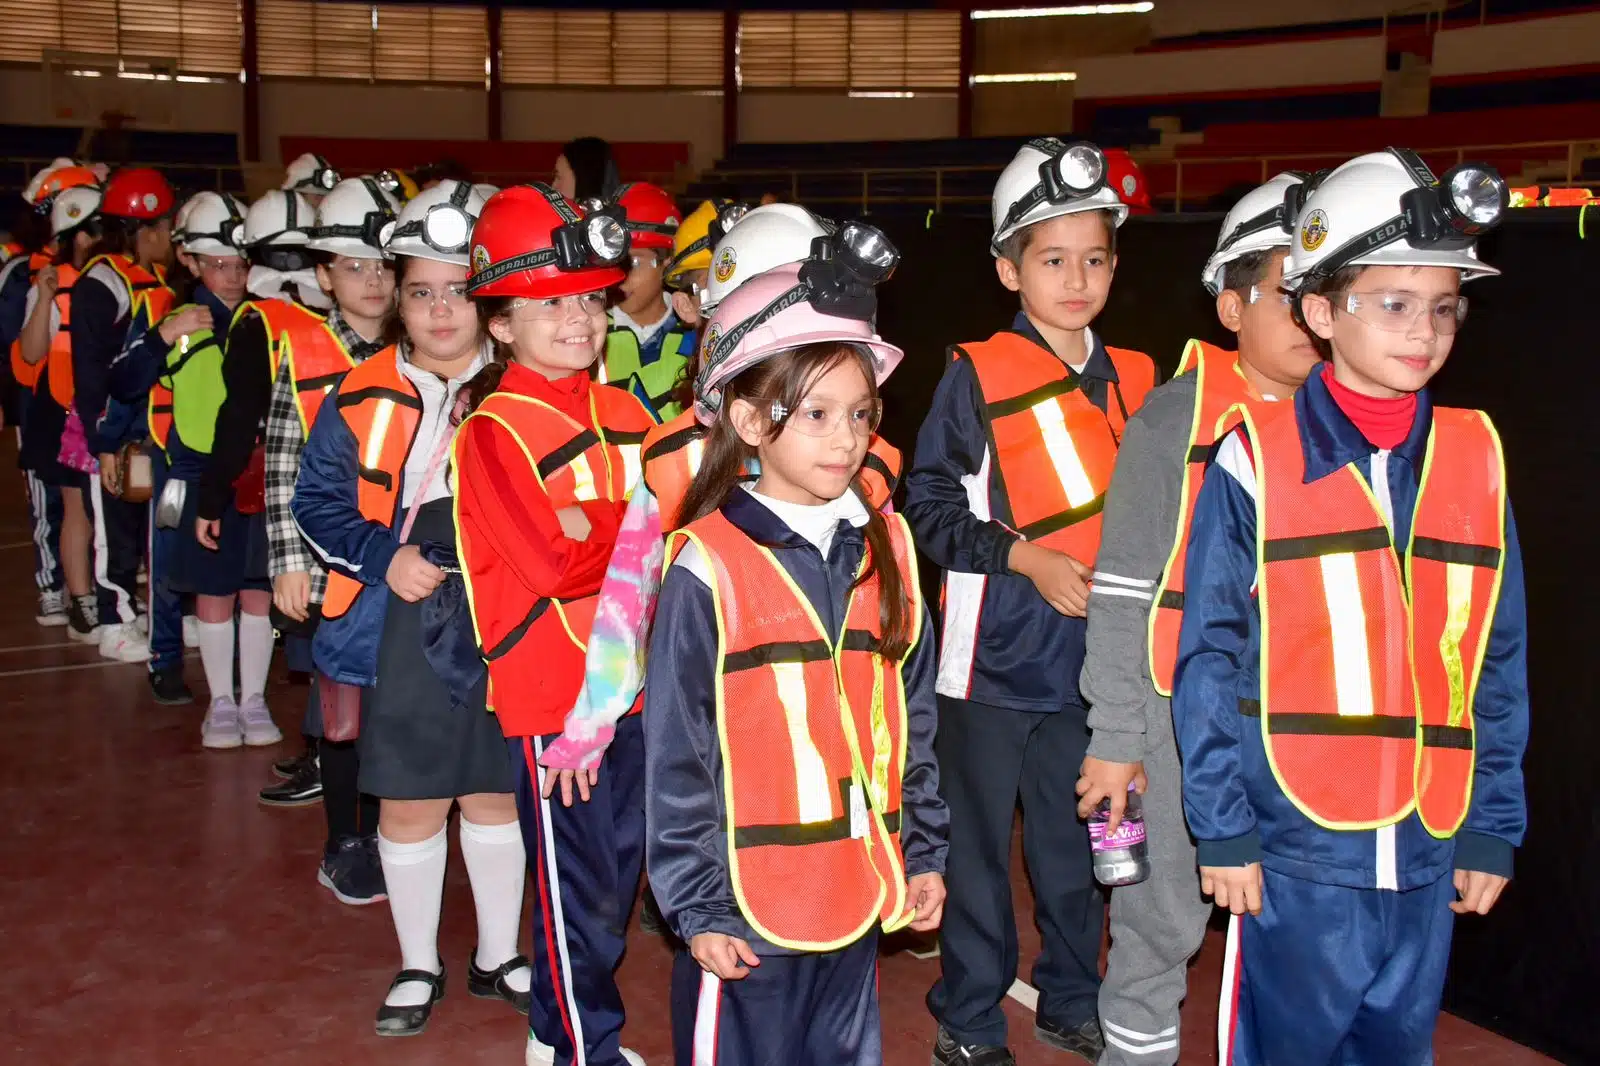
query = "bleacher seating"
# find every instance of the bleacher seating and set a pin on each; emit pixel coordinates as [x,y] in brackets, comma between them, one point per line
[192,161]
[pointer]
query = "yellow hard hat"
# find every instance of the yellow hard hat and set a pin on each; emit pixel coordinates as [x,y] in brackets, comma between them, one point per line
[691,248]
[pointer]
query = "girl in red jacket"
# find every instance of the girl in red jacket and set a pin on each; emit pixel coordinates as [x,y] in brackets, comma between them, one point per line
[543,465]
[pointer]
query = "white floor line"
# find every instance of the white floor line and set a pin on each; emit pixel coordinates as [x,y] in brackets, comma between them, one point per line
[1020,991]
[16,544]
[65,645]
[102,664]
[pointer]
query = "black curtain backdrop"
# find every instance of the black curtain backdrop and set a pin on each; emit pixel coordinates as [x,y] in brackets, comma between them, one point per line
[1526,355]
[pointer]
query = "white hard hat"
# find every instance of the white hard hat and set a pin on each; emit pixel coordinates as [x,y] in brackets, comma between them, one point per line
[1387,209]
[351,218]
[311,173]
[279,218]
[1262,220]
[73,207]
[1049,178]
[769,236]
[213,224]
[437,223]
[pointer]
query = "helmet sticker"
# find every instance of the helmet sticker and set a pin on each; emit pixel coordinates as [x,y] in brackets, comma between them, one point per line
[74,210]
[727,262]
[1315,230]
[150,201]
[1130,184]
[480,259]
[709,345]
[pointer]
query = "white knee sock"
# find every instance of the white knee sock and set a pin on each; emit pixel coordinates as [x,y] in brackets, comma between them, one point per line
[414,875]
[255,654]
[497,867]
[216,655]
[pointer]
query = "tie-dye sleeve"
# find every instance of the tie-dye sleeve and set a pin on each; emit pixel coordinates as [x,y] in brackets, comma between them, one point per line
[614,666]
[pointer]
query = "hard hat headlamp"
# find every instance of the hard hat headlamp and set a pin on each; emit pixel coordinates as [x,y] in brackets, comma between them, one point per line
[445,227]
[1070,172]
[598,238]
[230,232]
[1449,213]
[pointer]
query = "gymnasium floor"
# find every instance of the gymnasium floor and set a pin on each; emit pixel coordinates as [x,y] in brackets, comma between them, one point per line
[154,913]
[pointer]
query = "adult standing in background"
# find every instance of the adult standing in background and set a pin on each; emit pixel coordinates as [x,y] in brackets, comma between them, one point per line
[586,171]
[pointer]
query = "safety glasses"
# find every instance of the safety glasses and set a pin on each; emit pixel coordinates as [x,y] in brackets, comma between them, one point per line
[819,418]
[1400,312]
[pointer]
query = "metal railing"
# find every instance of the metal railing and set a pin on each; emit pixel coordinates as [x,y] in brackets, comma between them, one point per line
[1168,177]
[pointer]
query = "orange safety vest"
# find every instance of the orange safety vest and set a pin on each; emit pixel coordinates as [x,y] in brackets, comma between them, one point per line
[58,362]
[149,300]
[1219,389]
[813,735]
[672,453]
[26,373]
[318,361]
[1545,196]
[281,318]
[573,462]
[1053,450]
[1368,670]
[382,409]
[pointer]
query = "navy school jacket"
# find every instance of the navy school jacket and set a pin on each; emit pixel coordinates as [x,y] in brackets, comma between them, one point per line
[686,849]
[998,631]
[1235,807]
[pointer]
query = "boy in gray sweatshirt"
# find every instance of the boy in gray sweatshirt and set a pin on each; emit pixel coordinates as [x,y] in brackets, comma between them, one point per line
[1135,604]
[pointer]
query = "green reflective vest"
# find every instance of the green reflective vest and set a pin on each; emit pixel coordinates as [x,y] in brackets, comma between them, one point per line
[193,372]
[653,382]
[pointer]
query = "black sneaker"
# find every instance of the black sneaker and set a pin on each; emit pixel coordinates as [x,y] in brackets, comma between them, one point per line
[168,687]
[947,1051]
[352,872]
[301,790]
[83,619]
[1086,1041]
[287,768]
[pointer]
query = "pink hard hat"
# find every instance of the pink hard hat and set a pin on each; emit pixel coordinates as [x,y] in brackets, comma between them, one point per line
[770,314]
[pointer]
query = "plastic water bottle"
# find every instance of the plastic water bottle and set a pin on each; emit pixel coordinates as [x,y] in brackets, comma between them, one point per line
[1120,858]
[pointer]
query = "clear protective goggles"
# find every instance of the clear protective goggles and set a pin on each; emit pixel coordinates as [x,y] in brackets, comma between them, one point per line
[1400,312]
[444,227]
[1071,172]
[820,418]
[1444,213]
[597,238]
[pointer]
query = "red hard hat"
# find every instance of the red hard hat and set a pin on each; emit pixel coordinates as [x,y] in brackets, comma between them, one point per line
[137,193]
[1127,181]
[514,247]
[652,215]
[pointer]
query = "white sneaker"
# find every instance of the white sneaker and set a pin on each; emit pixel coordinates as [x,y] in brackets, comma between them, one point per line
[221,728]
[52,608]
[141,622]
[633,1057]
[538,1054]
[123,643]
[191,631]
[256,721]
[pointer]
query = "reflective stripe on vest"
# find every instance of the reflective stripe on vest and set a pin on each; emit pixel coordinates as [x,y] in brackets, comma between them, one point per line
[673,450]
[1219,387]
[572,463]
[25,373]
[1369,672]
[1049,441]
[190,391]
[280,317]
[659,379]
[383,410]
[813,735]
[318,361]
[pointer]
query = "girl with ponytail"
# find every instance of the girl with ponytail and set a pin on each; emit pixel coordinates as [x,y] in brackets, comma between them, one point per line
[791,787]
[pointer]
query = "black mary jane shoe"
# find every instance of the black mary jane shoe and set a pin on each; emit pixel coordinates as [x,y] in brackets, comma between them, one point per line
[410,1021]
[491,984]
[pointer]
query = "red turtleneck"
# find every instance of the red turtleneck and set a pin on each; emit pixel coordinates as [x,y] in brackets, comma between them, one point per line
[1384,421]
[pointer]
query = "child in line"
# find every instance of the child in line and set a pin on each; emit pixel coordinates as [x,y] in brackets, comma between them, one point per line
[544,463]
[1135,604]
[1351,687]
[648,349]
[1012,466]
[794,810]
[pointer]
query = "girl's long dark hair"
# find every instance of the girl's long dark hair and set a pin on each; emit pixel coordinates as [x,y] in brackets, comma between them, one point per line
[487,380]
[786,379]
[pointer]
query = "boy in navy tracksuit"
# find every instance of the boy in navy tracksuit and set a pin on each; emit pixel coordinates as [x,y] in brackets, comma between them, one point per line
[1351,695]
[1011,468]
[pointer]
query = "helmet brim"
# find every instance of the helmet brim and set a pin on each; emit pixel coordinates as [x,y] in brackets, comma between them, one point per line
[1471,267]
[885,356]
[554,285]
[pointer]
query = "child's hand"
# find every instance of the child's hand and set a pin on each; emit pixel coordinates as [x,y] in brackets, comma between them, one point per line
[927,892]
[411,576]
[1235,888]
[1060,579]
[574,523]
[1100,780]
[726,956]
[1478,891]
[583,779]
[189,320]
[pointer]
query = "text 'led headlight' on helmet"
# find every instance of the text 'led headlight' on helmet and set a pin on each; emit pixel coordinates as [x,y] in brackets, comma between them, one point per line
[838,278]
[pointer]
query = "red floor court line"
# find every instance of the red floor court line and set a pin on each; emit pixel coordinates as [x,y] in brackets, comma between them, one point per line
[154,913]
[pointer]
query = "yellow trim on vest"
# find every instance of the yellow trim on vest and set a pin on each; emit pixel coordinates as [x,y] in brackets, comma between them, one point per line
[1191,357]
